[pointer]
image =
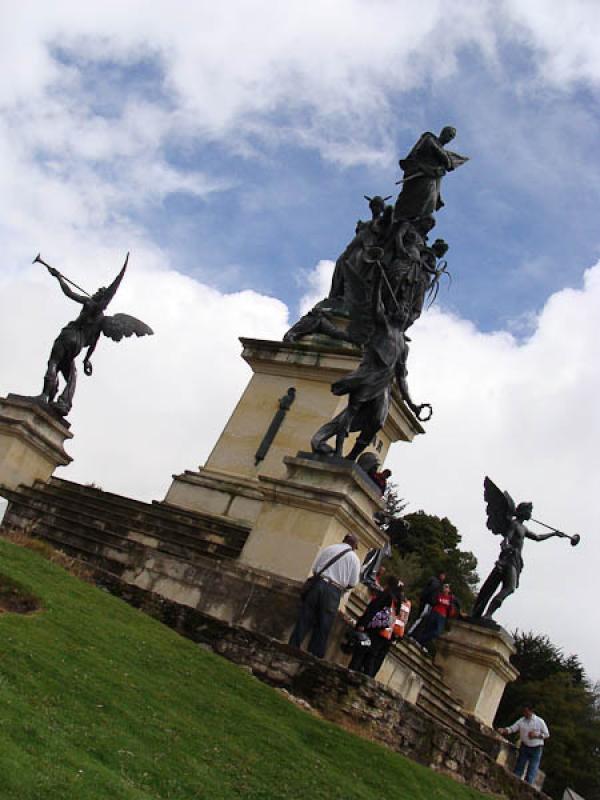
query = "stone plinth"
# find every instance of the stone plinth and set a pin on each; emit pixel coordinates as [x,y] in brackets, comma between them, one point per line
[31,441]
[230,482]
[475,661]
[315,505]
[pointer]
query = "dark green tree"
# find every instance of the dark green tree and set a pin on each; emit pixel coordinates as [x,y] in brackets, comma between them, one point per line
[430,545]
[561,693]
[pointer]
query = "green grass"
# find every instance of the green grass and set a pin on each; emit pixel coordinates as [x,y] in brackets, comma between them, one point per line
[99,701]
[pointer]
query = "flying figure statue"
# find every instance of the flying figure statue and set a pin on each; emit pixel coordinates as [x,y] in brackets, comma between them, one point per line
[507,520]
[84,332]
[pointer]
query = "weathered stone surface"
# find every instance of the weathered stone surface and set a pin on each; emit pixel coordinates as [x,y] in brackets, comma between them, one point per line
[228,483]
[476,664]
[31,442]
[314,506]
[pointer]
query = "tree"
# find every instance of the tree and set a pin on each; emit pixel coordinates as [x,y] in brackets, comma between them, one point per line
[430,545]
[561,693]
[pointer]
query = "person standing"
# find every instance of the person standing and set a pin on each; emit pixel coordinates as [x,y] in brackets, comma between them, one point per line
[377,621]
[426,599]
[533,732]
[444,606]
[335,570]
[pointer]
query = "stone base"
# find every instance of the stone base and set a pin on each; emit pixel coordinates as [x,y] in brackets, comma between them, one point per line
[31,441]
[315,505]
[475,662]
[213,492]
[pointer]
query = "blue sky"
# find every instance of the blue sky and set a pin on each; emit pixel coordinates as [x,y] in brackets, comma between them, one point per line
[229,149]
[519,217]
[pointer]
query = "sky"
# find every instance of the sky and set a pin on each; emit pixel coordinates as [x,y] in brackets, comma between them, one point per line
[228,148]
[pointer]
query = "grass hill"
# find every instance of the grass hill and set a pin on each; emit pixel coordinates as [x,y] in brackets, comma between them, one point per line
[99,701]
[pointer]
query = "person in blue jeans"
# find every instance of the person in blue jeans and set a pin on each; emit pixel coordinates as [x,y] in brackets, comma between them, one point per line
[443,606]
[533,732]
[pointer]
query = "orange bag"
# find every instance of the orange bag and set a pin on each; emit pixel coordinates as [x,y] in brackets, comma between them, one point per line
[397,627]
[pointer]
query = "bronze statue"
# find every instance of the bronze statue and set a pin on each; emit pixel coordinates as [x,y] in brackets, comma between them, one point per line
[507,520]
[369,386]
[351,284]
[83,332]
[424,167]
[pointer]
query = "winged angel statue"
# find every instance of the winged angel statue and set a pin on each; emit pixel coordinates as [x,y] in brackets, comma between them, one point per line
[84,332]
[505,519]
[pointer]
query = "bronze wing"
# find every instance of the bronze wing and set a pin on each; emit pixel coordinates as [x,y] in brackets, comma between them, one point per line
[500,507]
[119,325]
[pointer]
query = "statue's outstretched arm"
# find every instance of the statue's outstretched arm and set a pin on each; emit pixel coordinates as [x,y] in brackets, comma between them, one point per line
[401,375]
[540,537]
[79,298]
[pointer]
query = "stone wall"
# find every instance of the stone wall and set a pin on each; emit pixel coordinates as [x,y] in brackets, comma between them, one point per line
[351,700]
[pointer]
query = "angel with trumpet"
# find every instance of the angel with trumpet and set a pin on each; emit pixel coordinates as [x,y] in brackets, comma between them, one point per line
[81,333]
[506,519]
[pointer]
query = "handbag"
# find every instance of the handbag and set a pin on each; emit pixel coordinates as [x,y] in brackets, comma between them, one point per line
[310,582]
[382,619]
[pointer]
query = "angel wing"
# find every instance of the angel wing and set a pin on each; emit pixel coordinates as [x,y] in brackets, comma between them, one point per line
[119,325]
[500,507]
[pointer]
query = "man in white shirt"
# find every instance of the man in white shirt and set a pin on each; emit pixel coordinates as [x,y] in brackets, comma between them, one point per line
[335,569]
[533,731]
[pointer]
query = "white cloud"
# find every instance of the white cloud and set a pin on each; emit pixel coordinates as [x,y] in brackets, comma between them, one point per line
[527,416]
[154,405]
[317,283]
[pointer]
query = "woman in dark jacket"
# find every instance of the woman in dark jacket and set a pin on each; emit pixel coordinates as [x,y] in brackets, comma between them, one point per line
[377,616]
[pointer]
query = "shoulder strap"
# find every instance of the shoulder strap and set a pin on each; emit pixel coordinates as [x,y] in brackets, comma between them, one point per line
[331,561]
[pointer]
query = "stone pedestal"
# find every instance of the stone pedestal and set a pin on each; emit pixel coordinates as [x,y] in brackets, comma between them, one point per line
[474,659]
[31,441]
[231,482]
[318,502]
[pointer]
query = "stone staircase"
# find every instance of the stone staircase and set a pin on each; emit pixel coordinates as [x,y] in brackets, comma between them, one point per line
[109,530]
[436,698]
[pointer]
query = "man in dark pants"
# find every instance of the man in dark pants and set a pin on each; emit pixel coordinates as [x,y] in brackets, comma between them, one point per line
[337,569]
[378,616]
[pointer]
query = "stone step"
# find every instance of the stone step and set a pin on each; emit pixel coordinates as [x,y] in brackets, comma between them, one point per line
[109,558]
[172,518]
[452,717]
[414,658]
[31,504]
[133,526]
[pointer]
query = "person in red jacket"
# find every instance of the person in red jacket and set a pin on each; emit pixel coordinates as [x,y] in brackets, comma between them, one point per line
[444,606]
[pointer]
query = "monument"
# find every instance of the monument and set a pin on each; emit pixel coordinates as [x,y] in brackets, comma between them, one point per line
[33,429]
[273,482]
[506,519]
[354,344]
[84,331]
[475,654]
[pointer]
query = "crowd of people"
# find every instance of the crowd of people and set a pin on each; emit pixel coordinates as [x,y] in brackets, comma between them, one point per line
[336,570]
[384,621]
